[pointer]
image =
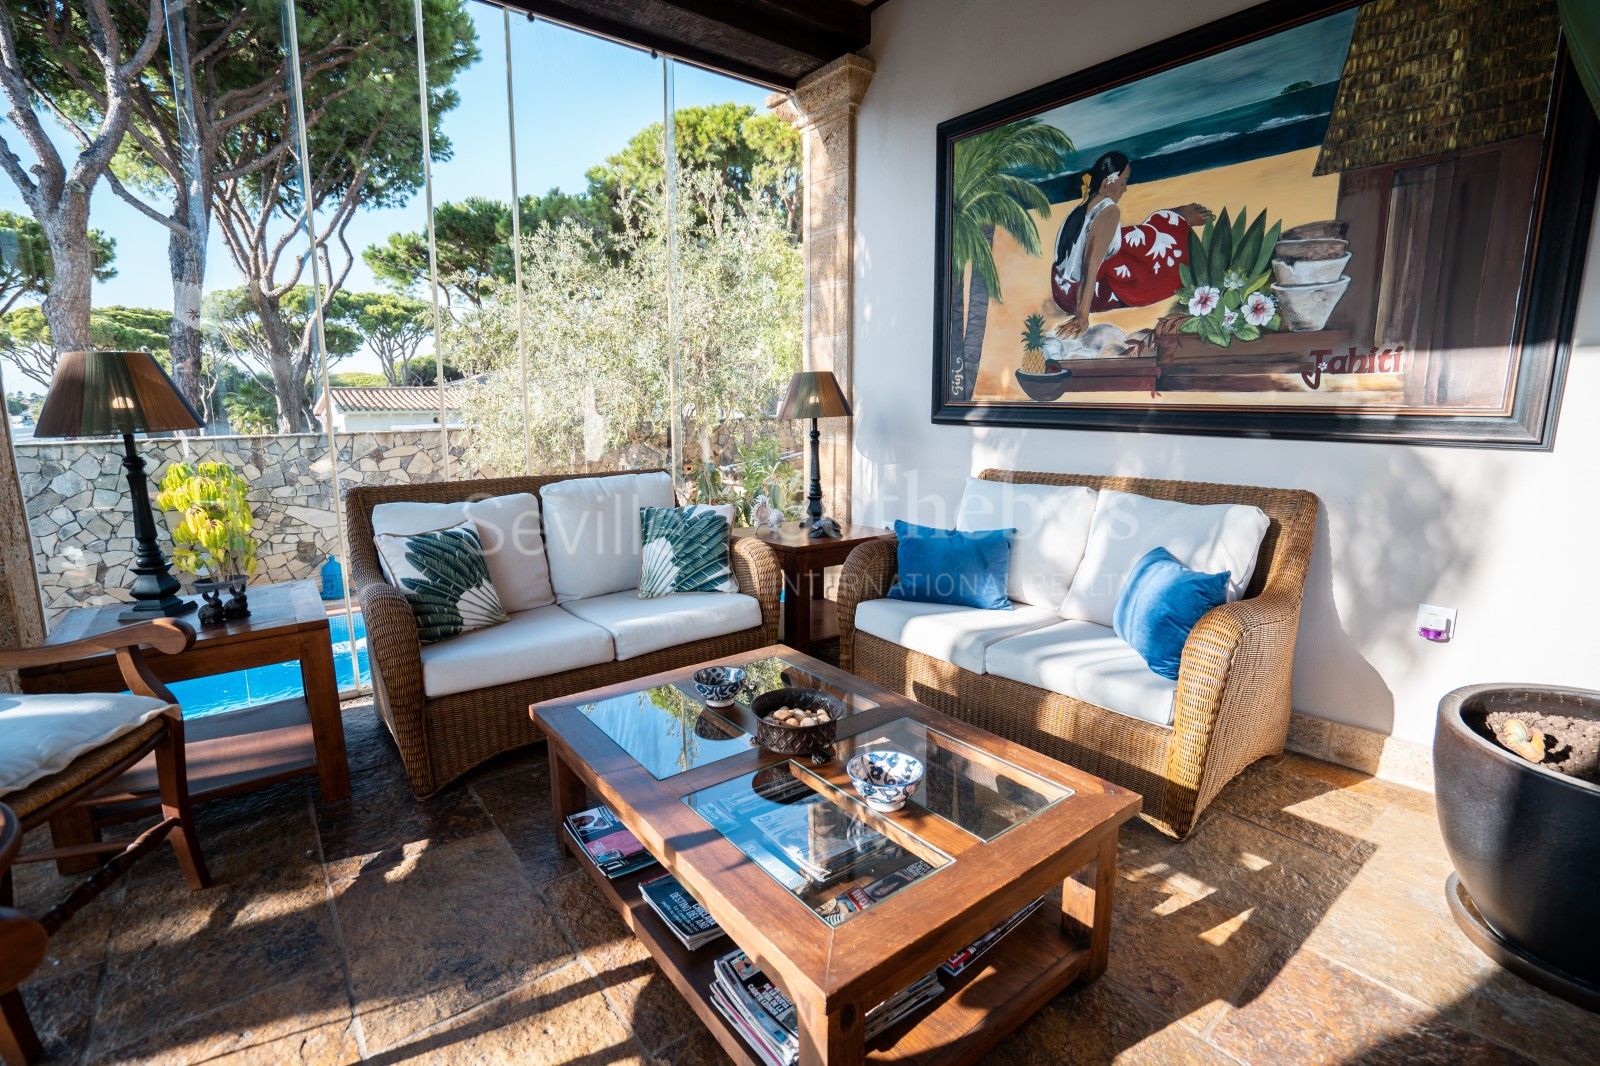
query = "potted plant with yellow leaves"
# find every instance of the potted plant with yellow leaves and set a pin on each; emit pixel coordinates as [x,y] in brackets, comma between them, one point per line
[212,534]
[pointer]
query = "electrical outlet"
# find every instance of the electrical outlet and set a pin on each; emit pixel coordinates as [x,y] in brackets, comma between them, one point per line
[1437,624]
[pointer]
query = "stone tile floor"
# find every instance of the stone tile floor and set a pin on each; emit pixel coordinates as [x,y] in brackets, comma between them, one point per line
[1303,921]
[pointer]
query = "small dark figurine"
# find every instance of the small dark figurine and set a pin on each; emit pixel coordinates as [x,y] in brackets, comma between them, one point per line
[238,606]
[212,613]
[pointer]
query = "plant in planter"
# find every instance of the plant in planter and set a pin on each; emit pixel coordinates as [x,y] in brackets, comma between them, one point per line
[212,536]
[1223,296]
[1517,779]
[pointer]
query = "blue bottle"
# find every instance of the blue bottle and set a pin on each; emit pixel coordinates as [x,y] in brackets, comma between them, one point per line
[332,579]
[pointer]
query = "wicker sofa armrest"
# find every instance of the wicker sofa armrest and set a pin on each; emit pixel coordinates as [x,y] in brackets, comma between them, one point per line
[755,567]
[1235,681]
[395,653]
[869,572]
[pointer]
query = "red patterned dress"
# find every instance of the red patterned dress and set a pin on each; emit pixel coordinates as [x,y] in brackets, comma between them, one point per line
[1140,267]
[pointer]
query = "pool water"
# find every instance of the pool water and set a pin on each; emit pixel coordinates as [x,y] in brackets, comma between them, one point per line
[281,681]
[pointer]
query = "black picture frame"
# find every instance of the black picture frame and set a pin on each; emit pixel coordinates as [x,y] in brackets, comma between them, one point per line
[1549,292]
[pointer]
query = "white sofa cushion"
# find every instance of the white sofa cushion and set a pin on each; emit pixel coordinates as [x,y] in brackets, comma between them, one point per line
[950,632]
[639,626]
[41,735]
[1052,528]
[508,529]
[545,640]
[1087,662]
[591,530]
[1209,538]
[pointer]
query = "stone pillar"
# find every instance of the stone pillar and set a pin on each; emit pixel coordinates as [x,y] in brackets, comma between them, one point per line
[21,616]
[823,107]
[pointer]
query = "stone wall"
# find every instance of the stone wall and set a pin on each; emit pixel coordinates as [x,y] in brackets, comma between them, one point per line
[77,500]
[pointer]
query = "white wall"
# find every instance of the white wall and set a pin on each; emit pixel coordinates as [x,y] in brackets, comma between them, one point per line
[1509,538]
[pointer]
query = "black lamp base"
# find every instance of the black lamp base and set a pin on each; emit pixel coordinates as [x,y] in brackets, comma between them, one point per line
[155,590]
[144,612]
[825,528]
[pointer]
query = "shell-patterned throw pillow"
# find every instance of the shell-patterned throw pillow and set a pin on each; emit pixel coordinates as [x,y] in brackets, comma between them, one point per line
[685,550]
[446,579]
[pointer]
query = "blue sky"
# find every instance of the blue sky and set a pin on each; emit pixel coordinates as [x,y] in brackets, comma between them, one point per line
[577,98]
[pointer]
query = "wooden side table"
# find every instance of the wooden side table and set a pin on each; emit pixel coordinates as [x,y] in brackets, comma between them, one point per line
[807,616]
[232,751]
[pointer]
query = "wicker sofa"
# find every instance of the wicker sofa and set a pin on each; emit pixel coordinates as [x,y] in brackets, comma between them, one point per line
[1231,703]
[442,736]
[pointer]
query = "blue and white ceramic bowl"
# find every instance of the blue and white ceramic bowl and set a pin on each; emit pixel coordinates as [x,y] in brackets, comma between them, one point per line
[885,779]
[718,685]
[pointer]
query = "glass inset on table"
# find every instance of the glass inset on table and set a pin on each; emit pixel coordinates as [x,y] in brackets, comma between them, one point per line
[667,730]
[817,841]
[981,793]
[764,675]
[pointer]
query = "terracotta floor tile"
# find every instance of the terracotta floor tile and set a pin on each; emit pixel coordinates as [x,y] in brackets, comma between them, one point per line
[1309,810]
[438,928]
[62,1012]
[699,1048]
[304,1021]
[518,802]
[1303,1008]
[1102,1023]
[175,953]
[382,812]
[641,995]
[1185,956]
[560,1018]
[1303,920]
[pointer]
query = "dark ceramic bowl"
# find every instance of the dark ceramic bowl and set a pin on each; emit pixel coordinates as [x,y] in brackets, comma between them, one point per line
[815,741]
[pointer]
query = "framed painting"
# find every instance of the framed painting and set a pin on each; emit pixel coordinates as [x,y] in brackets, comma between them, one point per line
[1326,220]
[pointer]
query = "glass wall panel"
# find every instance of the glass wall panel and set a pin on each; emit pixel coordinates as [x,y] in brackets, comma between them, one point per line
[380,313]
[738,294]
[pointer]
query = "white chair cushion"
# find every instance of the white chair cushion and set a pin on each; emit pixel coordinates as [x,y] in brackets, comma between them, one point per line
[1052,524]
[955,634]
[536,643]
[41,735]
[591,527]
[1087,662]
[639,626]
[1209,538]
[508,528]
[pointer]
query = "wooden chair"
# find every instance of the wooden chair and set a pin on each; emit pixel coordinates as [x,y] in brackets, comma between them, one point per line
[25,938]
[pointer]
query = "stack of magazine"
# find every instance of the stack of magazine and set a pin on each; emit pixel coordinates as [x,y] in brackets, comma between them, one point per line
[958,963]
[821,840]
[689,922]
[763,1015]
[607,841]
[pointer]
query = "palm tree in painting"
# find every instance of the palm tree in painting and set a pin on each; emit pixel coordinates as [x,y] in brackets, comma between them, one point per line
[988,195]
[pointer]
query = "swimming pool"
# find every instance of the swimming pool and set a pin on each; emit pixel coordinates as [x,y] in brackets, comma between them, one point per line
[281,681]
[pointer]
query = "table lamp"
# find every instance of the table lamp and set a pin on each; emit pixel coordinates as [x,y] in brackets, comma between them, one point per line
[815,394]
[97,394]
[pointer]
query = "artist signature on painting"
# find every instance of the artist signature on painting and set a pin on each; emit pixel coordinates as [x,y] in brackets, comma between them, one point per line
[1374,361]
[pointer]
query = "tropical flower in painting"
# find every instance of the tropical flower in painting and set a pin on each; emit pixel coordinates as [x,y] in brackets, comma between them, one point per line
[1259,309]
[1234,279]
[1229,320]
[1204,300]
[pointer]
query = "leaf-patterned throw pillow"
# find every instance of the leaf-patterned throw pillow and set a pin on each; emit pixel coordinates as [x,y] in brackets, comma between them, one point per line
[446,579]
[685,550]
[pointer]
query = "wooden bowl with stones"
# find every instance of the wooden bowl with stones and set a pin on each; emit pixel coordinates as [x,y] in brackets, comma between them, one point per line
[797,721]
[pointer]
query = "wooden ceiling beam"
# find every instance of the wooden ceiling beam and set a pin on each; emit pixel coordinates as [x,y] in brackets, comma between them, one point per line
[773,42]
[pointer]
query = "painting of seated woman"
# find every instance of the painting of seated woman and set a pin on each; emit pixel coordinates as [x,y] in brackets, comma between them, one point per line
[1275,234]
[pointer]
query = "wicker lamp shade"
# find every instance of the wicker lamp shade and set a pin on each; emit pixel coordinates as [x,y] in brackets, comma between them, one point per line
[814,394]
[98,394]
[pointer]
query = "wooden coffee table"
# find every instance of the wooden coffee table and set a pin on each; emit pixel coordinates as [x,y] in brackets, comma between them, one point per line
[999,824]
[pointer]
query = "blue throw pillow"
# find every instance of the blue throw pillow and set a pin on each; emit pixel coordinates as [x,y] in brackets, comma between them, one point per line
[949,566]
[1161,603]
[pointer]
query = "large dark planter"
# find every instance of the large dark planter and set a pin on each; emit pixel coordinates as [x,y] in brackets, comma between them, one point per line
[1525,842]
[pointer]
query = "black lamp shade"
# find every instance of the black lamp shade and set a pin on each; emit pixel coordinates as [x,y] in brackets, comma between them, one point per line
[814,394]
[99,394]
